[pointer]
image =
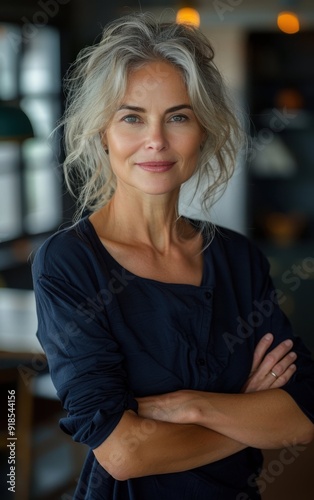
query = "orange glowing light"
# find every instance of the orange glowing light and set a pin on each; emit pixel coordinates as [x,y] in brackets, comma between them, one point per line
[288,22]
[187,15]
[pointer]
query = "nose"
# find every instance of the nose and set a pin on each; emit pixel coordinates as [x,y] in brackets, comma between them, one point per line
[156,137]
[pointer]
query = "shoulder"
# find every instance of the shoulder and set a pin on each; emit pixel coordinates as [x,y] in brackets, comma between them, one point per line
[230,239]
[238,251]
[66,252]
[239,263]
[231,243]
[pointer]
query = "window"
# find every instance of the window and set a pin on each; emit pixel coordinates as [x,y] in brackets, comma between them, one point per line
[30,183]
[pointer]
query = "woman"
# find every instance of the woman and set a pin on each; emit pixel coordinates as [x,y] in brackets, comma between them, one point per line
[148,318]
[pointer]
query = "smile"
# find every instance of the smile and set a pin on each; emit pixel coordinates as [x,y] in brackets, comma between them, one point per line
[156,166]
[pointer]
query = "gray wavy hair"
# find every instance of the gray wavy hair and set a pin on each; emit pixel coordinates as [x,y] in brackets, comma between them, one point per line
[96,84]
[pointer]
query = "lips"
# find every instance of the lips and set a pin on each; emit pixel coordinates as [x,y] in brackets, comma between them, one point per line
[156,166]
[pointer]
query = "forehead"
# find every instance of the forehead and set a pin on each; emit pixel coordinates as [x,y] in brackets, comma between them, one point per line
[157,79]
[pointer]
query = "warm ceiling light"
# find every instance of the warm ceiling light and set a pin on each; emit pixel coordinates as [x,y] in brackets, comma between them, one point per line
[288,22]
[187,15]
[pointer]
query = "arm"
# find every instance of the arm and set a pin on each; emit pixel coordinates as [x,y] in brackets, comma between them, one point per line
[139,447]
[265,418]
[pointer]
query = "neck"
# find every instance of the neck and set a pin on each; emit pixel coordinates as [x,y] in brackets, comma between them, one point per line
[146,219]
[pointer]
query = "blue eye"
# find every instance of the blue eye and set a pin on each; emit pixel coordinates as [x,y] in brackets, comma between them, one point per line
[179,118]
[131,119]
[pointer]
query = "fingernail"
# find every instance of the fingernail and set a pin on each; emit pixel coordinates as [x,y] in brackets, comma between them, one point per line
[288,343]
[292,355]
[268,336]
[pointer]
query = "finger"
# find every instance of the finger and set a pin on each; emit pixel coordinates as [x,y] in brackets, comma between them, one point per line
[280,372]
[280,367]
[274,357]
[284,377]
[261,349]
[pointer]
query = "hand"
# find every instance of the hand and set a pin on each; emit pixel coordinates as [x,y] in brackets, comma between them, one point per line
[181,406]
[173,407]
[279,361]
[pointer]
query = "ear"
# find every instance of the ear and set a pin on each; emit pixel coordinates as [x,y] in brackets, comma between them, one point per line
[103,138]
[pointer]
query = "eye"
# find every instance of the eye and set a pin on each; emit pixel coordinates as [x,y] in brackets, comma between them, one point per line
[179,118]
[131,119]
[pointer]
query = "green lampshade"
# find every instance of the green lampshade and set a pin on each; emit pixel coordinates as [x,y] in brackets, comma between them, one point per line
[14,124]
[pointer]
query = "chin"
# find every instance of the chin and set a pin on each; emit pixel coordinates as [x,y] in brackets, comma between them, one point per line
[159,191]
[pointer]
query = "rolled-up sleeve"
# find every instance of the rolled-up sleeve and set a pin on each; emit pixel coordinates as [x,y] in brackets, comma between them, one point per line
[85,363]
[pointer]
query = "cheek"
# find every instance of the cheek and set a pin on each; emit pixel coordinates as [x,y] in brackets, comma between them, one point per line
[189,142]
[123,144]
[191,150]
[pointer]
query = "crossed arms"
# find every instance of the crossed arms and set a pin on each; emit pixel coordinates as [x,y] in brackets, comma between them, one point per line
[186,429]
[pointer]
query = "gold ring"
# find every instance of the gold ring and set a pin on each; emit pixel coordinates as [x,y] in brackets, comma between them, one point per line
[273,374]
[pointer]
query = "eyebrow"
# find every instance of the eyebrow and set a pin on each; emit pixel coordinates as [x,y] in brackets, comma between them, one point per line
[143,110]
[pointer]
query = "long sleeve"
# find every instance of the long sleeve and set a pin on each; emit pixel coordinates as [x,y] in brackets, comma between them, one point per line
[85,363]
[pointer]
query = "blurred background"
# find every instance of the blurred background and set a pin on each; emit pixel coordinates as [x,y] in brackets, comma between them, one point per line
[268,64]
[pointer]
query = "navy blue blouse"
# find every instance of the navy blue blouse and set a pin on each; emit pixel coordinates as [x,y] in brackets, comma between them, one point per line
[111,336]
